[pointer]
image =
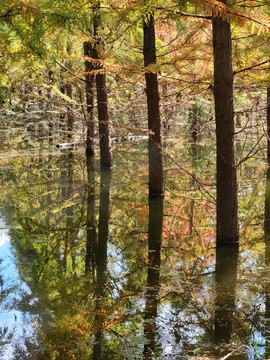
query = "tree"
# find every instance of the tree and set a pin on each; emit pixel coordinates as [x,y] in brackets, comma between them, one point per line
[156,182]
[268,123]
[93,51]
[227,206]
[89,88]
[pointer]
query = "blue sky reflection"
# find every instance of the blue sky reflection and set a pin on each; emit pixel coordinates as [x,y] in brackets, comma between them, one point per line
[18,331]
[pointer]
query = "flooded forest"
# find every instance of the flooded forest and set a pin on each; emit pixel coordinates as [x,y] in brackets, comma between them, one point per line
[135,180]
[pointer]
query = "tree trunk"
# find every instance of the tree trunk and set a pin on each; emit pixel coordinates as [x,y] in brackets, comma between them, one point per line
[102,102]
[62,114]
[103,121]
[70,114]
[156,186]
[89,87]
[227,207]
[268,124]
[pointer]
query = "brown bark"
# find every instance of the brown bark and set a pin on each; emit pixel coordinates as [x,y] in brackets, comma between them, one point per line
[268,123]
[227,207]
[102,102]
[103,121]
[156,186]
[89,87]
[62,115]
[70,114]
[49,96]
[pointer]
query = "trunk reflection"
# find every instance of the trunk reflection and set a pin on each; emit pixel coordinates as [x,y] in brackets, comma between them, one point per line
[153,275]
[267,261]
[101,260]
[91,233]
[226,276]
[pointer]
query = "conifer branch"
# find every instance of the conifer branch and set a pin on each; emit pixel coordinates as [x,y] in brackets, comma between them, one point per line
[251,67]
[8,13]
[218,7]
[185,14]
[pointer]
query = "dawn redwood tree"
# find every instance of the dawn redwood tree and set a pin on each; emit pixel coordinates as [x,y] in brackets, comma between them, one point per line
[103,119]
[102,101]
[268,123]
[227,206]
[156,182]
[89,88]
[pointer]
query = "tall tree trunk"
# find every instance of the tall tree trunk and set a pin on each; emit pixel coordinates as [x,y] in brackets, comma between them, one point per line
[49,97]
[103,121]
[70,113]
[268,124]
[227,207]
[102,102]
[62,115]
[156,186]
[89,87]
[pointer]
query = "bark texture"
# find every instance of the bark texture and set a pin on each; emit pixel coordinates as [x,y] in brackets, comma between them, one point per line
[268,123]
[70,113]
[227,207]
[89,87]
[102,102]
[156,182]
[103,121]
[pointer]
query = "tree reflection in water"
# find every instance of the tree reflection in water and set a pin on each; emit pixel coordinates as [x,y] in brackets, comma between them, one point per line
[101,259]
[226,276]
[267,261]
[153,274]
[120,297]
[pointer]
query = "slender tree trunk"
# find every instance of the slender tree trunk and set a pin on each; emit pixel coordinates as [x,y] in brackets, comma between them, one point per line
[103,121]
[62,115]
[156,186]
[227,207]
[268,123]
[49,96]
[102,102]
[70,113]
[89,86]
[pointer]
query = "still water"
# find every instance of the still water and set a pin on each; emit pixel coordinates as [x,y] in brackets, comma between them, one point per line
[90,268]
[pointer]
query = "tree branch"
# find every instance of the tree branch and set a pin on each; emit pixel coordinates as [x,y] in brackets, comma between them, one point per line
[251,67]
[185,14]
